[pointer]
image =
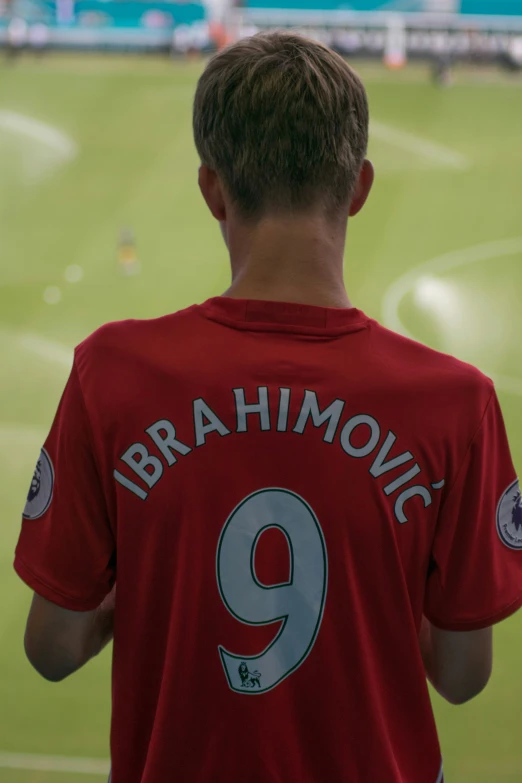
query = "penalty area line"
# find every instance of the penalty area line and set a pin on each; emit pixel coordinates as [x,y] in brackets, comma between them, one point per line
[40,132]
[410,142]
[47,349]
[40,763]
[404,284]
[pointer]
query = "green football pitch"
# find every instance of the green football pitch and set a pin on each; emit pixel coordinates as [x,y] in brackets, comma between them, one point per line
[89,145]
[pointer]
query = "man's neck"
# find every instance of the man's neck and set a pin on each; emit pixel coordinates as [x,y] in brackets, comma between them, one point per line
[305,293]
[296,260]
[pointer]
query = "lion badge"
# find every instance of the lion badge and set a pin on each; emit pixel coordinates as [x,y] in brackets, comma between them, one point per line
[248,679]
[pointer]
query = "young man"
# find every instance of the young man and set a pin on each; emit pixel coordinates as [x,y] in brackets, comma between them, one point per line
[281,487]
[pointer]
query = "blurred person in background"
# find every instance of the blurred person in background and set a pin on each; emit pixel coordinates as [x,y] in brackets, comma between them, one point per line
[442,60]
[16,37]
[127,253]
[38,38]
[306,515]
[511,57]
[182,39]
[441,70]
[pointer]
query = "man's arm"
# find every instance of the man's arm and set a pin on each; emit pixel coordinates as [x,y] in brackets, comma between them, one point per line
[458,663]
[58,641]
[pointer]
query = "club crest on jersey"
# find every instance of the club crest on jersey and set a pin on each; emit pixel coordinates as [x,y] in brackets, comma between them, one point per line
[248,679]
[509,517]
[41,489]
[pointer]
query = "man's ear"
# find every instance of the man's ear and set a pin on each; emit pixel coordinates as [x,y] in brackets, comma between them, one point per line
[362,190]
[212,192]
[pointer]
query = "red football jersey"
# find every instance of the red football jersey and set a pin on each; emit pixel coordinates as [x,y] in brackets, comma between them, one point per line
[280,492]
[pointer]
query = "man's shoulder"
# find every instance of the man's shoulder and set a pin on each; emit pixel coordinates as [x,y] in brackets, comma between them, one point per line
[122,340]
[135,330]
[404,357]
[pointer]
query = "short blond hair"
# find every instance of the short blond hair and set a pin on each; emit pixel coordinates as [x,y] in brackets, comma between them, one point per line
[284,122]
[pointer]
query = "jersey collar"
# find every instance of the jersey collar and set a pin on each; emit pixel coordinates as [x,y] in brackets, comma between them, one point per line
[258,315]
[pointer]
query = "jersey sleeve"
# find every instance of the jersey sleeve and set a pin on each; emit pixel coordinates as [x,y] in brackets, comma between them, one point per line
[476,579]
[66,549]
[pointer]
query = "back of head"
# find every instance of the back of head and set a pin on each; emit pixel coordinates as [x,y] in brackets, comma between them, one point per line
[283,120]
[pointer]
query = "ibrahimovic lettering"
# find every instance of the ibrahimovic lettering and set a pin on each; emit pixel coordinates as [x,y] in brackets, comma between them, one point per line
[149,468]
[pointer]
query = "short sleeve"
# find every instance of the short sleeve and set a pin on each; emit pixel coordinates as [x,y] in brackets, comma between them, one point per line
[66,549]
[476,579]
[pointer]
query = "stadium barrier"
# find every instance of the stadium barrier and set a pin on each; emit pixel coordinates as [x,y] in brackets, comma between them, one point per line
[393,30]
[135,25]
[442,30]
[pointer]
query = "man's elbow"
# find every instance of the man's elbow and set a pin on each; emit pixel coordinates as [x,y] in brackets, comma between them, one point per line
[48,666]
[469,691]
[458,663]
[49,674]
[465,688]
[462,696]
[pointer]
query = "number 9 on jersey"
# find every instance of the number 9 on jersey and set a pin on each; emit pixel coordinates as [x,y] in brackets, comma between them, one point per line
[298,603]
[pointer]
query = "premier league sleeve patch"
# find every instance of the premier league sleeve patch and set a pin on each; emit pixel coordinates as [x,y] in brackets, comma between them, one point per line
[509,517]
[41,489]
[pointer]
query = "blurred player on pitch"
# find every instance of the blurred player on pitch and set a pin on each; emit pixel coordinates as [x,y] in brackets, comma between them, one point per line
[287,494]
[127,254]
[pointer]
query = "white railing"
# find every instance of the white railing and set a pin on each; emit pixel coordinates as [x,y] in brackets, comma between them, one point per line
[435,20]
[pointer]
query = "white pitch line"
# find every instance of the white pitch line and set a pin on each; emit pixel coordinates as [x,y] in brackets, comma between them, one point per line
[38,763]
[470,255]
[437,153]
[49,136]
[47,349]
